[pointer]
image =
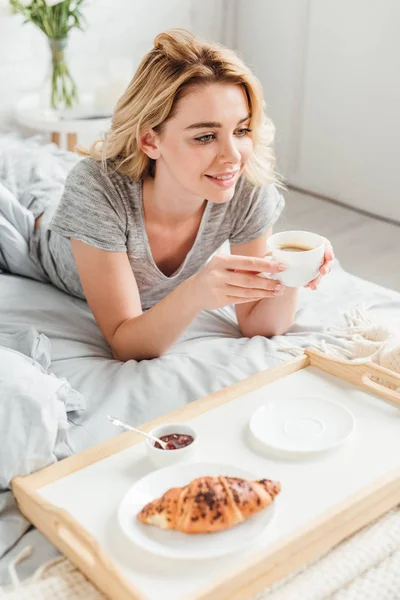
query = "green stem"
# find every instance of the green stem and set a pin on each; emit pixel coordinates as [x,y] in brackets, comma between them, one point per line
[64,92]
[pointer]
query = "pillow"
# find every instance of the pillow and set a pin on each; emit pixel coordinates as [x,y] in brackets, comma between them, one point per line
[33,415]
[31,343]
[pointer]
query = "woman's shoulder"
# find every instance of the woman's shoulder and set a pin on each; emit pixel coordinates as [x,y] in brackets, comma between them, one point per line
[254,210]
[245,189]
[92,173]
[246,193]
[88,167]
[262,199]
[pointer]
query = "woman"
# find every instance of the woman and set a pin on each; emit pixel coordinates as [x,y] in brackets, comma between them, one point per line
[187,164]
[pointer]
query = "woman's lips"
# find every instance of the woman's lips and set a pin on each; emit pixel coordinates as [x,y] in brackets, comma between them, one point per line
[224,183]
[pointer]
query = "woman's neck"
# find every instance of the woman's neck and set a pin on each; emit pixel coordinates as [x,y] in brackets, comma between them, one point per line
[169,206]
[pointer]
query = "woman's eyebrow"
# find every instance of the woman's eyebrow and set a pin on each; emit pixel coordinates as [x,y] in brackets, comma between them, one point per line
[205,124]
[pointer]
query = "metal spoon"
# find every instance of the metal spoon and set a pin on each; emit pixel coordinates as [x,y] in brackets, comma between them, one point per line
[120,423]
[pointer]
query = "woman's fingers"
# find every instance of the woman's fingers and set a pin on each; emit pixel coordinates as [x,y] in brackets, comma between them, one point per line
[324,270]
[250,263]
[251,281]
[314,283]
[234,299]
[326,267]
[253,293]
[329,254]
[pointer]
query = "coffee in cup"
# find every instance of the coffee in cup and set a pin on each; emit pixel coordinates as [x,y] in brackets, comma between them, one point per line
[295,248]
[303,254]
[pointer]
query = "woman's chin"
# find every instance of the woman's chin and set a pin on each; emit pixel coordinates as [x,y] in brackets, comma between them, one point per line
[219,195]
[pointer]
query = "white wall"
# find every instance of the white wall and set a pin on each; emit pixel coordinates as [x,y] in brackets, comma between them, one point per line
[331,74]
[269,37]
[115,29]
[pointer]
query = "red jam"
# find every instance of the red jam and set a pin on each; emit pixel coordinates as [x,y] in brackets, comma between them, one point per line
[175,441]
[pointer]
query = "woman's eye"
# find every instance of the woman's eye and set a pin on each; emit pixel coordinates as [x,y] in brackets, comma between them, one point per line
[203,139]
[209,137]
[243,132]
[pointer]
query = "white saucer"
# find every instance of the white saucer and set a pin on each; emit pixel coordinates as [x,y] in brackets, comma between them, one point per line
[175,544]
[301,424]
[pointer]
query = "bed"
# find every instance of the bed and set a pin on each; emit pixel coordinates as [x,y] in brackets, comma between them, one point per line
[210,355]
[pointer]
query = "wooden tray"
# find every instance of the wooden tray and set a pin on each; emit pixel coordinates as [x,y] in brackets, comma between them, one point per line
[359,504]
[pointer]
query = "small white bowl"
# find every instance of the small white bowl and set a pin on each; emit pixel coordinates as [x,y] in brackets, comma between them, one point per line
[164,458]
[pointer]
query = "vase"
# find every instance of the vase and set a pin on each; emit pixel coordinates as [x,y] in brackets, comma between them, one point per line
[60,89]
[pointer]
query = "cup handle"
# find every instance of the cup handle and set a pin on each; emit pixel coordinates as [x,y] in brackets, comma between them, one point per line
[271,275]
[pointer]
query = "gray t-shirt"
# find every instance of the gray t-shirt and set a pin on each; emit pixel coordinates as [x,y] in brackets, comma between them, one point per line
[105,210]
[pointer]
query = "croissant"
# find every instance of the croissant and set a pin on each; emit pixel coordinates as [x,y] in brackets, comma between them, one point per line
[209,504]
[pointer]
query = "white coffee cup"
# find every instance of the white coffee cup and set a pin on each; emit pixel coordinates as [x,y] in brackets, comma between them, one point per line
[303,265]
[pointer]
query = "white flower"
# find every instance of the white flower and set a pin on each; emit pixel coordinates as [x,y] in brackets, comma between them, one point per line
[53,2]
[25,3]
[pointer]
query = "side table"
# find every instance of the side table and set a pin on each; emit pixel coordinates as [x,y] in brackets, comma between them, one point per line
[29,113]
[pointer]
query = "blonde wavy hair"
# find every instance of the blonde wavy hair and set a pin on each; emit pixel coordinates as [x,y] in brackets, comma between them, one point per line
[177,62]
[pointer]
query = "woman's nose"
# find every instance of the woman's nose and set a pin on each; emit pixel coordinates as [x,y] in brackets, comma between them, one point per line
[230,153]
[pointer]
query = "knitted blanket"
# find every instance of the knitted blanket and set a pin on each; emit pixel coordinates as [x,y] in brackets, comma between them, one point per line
[366,566]
[365,339]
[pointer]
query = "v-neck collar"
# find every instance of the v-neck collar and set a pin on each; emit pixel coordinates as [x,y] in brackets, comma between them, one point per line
[146,242]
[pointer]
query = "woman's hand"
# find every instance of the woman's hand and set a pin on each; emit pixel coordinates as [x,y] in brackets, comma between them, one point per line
[325,267]
[232,279]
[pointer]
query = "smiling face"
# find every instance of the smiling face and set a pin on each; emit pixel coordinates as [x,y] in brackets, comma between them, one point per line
[203,148]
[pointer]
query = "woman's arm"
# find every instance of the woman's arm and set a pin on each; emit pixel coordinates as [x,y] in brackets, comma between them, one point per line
[269,316]
[112,293]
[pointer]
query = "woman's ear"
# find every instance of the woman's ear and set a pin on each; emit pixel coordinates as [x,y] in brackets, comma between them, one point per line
[149,143]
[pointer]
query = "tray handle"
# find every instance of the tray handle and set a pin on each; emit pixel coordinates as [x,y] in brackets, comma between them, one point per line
[82,549]
[80,545]
[372,377]
[382,386]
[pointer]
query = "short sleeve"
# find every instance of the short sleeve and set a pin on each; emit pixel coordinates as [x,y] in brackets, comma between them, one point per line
[255,210]
[91,209]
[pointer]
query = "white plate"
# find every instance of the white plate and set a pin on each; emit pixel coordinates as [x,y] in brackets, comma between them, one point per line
[175,544]
[301,424]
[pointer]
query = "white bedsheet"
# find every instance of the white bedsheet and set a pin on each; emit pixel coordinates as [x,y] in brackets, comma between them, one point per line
[210,355]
